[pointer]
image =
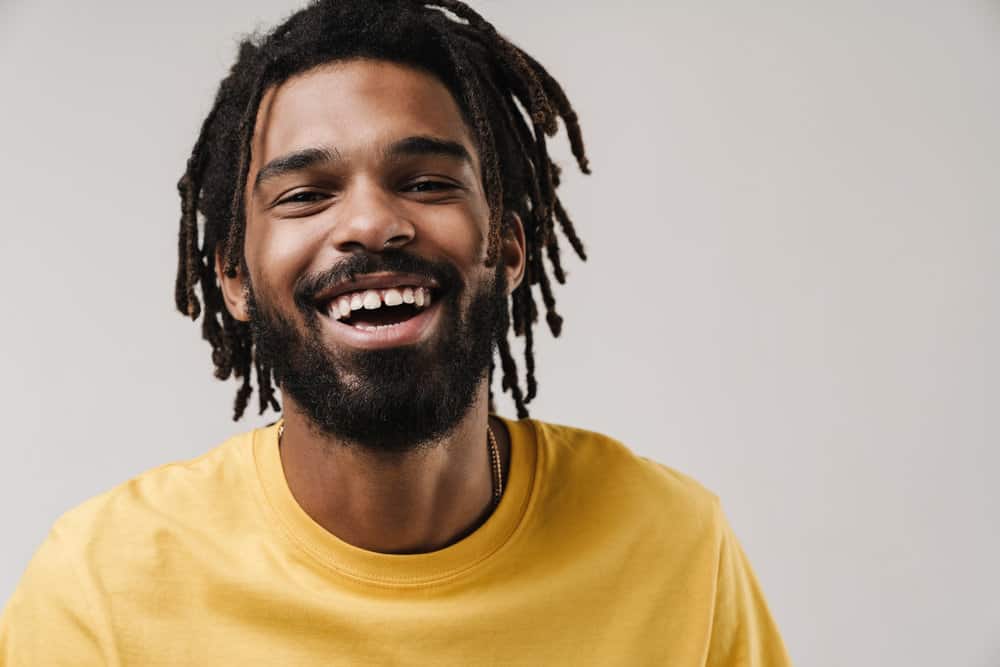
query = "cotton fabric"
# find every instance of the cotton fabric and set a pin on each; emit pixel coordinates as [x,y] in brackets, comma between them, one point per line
[594,556]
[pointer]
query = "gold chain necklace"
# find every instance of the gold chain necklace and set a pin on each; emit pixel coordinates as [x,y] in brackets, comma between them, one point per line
[494,453]
[495,465]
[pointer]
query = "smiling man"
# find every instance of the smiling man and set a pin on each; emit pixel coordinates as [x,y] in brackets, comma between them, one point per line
[366,213]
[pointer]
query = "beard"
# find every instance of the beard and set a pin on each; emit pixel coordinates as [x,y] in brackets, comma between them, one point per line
[387,401]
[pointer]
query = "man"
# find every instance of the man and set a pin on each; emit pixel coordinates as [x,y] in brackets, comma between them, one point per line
[377,210]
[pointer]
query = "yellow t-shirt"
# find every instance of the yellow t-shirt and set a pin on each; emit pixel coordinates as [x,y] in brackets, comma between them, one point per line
[594,556]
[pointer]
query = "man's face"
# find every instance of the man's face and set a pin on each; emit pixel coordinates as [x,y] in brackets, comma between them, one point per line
[365,187]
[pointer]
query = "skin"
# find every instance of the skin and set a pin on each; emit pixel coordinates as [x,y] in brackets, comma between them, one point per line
[432,206]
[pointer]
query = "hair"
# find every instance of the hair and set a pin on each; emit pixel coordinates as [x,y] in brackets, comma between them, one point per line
[509,101]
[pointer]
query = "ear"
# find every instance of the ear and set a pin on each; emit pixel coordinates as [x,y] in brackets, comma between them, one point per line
[234,292]
[512,250]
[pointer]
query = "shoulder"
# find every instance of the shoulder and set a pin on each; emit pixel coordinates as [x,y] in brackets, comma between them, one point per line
[609,471]
[173,494]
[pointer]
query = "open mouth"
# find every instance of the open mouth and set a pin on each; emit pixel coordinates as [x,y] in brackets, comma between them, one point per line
[379,309]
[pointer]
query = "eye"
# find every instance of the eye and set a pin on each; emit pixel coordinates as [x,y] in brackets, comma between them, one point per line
[303,197]
[430,186]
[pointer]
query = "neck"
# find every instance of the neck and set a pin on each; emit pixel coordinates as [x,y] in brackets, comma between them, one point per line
[411,503]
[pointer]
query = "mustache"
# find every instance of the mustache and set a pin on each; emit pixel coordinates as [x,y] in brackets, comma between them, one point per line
[361,264]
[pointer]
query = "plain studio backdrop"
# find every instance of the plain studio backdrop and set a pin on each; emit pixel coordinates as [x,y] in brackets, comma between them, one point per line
[791,296]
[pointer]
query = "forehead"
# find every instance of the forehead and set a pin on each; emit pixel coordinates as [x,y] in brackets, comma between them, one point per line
[356,105]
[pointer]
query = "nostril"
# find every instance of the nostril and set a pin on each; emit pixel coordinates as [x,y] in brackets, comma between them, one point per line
[396,242]
[353,247]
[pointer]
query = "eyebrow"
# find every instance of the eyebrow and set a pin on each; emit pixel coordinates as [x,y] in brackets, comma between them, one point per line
[306,158]
[296,161]
[424,145]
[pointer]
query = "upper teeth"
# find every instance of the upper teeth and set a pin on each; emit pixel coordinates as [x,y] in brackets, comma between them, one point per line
[373,299]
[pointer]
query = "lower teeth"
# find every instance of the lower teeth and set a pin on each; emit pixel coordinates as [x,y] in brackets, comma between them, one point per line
[369,327]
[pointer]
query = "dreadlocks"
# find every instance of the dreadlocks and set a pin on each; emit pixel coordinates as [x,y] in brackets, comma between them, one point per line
[507,98]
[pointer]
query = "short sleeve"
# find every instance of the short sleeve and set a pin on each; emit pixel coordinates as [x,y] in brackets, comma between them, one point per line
[744,633]
[49,620]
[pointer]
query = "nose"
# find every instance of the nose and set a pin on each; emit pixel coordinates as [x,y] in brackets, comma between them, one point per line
[369,220]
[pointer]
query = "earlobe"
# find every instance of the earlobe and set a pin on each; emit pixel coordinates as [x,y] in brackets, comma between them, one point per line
[513,250]
[234,292]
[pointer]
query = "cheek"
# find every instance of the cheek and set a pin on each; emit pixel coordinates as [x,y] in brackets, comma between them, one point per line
[280,253]
[460,234]
[275,259]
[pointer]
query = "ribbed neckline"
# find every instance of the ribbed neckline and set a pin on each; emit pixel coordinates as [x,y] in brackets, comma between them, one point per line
[402,570]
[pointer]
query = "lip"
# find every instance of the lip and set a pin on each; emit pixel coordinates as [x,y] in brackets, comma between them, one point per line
[383,280]
[409,332]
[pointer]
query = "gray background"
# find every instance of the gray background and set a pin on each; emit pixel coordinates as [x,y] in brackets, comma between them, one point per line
[791,297]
